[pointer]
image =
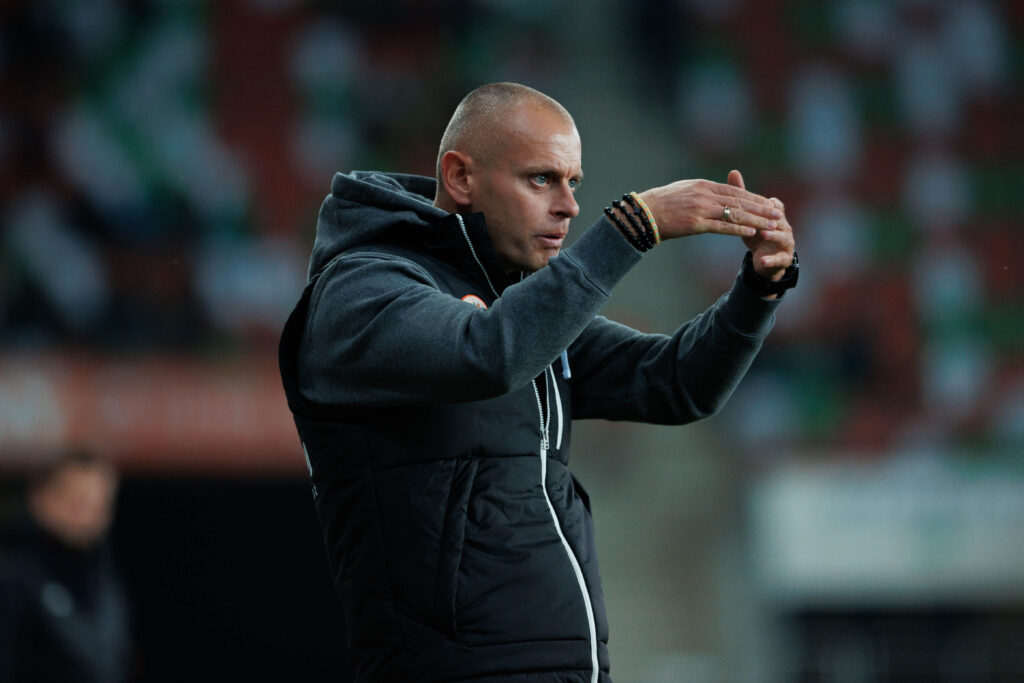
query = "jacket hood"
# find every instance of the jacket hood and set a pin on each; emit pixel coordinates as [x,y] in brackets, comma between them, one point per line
[364,205]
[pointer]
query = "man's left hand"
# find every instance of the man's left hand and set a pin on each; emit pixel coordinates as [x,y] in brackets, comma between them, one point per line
[772,250]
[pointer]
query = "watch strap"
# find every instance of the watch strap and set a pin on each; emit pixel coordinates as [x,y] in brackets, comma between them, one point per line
[765,287]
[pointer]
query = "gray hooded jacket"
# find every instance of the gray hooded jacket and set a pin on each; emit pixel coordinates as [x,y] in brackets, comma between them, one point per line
[435,416]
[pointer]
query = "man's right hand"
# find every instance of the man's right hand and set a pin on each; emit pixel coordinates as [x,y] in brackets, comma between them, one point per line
[694,207]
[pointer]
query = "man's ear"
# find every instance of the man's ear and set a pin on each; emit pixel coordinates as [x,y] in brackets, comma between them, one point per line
[457,176]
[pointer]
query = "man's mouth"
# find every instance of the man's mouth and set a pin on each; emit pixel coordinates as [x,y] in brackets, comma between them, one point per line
[553,239]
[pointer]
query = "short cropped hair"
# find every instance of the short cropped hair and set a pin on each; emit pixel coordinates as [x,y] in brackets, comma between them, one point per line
[482,111]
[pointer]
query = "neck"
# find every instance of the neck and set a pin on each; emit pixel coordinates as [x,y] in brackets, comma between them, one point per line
[445,203]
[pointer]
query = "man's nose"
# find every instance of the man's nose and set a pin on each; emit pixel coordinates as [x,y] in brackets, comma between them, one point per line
[565,204]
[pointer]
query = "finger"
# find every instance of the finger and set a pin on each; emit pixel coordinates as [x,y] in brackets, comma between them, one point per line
[719,227]
[781,238]
[736,179]
[751,207]
[748,218]
[732,192]
[778,260]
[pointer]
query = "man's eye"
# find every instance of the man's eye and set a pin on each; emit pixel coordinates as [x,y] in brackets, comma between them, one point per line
[573,184]
[540,179]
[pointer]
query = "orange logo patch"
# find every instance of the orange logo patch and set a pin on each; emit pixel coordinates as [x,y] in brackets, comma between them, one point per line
[475,300]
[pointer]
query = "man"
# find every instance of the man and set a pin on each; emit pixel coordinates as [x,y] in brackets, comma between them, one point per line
[63,611]
[422,368]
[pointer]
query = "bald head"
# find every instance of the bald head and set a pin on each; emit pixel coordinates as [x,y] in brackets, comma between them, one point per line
[479,124]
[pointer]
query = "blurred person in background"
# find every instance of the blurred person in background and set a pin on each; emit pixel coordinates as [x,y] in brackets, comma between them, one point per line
[64,615]
[437,357]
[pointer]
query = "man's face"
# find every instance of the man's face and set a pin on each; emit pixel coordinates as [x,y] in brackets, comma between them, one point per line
[525,189]
[77,505]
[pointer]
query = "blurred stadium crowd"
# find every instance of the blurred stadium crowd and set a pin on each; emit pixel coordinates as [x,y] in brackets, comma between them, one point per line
[162,162]
[890,129]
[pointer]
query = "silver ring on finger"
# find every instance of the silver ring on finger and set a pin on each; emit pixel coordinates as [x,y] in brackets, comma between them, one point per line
[727,214]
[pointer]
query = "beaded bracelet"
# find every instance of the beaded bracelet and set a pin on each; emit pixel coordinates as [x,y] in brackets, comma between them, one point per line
[640,231]
[643,226]
[626,232]
[639,221]
[640,205]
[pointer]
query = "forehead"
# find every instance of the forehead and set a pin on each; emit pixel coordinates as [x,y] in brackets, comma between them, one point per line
[83,476]
[540,135]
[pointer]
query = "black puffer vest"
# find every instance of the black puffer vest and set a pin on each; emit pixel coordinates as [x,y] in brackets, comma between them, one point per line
[460,544]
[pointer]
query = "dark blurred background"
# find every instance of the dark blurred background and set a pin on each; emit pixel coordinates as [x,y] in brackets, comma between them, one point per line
[855,514]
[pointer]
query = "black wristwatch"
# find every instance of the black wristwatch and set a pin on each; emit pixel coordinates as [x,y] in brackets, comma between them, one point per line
[764,287]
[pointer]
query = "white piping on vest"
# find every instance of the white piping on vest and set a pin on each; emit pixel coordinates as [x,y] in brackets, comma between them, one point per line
[544,445]
[469,242]
[309,466]
[558,405]
[577,569]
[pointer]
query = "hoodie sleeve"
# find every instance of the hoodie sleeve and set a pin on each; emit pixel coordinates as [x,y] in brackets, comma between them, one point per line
[622,374]
[380,332]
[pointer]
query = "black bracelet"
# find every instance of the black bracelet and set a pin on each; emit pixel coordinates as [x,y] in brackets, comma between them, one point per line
[638,211]
[644,226]
[626,232]
[643,236]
